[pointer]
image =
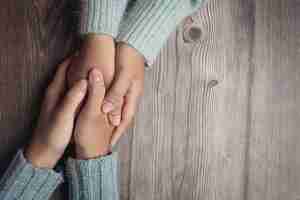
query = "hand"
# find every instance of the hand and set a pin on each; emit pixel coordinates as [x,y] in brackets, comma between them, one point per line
[92,133]
[97,51]
[122,98]
[55,124]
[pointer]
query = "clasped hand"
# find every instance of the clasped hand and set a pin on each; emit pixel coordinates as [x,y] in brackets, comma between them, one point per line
[106,80]
[67,113]
[122,67]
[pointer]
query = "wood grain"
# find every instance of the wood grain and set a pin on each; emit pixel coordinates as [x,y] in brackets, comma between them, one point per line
[189,140]
[275,112]
[219,118]
[34,38]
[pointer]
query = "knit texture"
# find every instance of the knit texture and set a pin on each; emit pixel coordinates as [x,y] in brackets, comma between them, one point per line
[145,26]
[23,181]
[94,179]
[101,16]
[148,24]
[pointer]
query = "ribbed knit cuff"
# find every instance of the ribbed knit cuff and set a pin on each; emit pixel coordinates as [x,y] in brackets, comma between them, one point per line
[24,181]
[148,23]
[94,179]
[101,16]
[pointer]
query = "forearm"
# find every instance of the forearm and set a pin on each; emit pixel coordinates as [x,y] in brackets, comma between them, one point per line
[101,16]
[22,180]
[93,179]
[148,24]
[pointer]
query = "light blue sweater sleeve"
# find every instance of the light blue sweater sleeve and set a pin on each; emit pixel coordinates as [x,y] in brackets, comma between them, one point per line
[94,179]
[143,24]
[23,181]
[101,16]
[148,24]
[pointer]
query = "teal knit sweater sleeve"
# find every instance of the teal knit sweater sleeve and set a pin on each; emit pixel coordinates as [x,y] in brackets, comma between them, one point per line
[146,24]
[23,181]
[94,179]
[101,16]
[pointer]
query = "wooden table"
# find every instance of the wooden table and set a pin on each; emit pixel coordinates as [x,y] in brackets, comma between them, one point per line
[220,117]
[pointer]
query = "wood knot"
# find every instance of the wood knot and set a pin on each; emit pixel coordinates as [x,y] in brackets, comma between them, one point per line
[192,33]
[212,83]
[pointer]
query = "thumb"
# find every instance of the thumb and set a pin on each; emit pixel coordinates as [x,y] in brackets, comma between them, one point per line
[113,100]
[73,98]
[96,92]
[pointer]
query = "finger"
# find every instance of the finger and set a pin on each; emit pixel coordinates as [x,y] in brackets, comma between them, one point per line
[57,85]
[73,98]
[96,92]
[117,91]
[115,116]
[128,112]
[114,99]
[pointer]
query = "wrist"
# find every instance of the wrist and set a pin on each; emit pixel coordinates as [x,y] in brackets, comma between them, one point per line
[91,152]
[41,156]
[96,39]
[97,51]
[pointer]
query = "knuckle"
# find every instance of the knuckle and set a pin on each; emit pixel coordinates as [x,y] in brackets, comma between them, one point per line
[115,98]
[115,113]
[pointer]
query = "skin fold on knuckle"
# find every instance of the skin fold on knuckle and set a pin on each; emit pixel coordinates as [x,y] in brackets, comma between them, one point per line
[115,114]
[115,98]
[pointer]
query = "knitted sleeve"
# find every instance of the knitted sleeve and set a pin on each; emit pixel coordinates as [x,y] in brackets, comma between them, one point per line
[24,181]
[93,179]
[148,23]
[101,16]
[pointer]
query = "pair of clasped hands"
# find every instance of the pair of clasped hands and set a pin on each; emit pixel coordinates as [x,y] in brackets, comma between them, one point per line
[91,100]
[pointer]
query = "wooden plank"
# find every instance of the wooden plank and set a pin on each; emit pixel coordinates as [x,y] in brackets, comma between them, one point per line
[274,142]
[35,36]
[189,140]
[219,119]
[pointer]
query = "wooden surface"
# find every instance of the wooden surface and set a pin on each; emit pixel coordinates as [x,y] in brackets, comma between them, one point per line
[220,117]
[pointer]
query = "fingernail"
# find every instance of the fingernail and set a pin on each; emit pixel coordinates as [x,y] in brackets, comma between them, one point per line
[116,121]
[107,107]
[96,75]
